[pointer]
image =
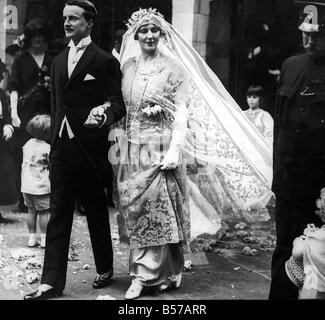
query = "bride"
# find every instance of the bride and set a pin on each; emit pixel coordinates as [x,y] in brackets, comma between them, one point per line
[186,152]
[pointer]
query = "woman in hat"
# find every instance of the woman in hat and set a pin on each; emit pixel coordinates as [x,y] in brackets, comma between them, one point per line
[29,85]
[27,96]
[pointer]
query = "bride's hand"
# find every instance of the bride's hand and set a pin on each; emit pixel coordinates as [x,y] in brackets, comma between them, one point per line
[7,132]
[171,159]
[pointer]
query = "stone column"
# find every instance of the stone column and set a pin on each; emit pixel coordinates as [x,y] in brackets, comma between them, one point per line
[205,24]
[183,18]
[191,19]
[219,39]
[201,25]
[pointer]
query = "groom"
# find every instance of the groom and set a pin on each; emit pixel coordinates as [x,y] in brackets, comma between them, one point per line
[83,76]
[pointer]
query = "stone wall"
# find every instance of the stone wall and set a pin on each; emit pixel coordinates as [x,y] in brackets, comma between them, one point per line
[205,24]
[183,18]
[200,26]
[191,19]
[219,39]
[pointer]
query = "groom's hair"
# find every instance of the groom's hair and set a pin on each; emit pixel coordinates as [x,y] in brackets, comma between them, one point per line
[90,9]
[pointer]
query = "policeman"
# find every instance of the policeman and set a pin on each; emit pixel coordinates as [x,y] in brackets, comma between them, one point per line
[299,143]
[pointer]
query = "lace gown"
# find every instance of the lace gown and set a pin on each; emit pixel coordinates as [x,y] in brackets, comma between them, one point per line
[154,203]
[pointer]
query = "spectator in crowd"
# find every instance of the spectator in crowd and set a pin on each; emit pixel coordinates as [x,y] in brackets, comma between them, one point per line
[260,118]
[8,189]
[29,87]
[14,50]
[299,146]
[117,43]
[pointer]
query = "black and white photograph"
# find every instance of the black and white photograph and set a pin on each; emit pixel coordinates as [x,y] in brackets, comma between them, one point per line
[162,150]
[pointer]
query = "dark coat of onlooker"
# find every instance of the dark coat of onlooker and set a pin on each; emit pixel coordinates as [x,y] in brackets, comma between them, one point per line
[299,151]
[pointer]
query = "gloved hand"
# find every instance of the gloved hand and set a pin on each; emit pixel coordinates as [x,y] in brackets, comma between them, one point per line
[7,132]
[96,117]
[171,159]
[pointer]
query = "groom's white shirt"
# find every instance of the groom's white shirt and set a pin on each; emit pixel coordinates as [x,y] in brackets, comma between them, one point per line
[75,53]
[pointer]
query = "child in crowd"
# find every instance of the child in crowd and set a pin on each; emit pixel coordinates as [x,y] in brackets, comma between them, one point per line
[35,183]
[260,118]
[306,267]
[118,38]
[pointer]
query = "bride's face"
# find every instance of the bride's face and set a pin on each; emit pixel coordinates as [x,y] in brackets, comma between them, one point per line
[148,37]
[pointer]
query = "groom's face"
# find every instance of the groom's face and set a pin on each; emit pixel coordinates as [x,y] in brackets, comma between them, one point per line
[76,25]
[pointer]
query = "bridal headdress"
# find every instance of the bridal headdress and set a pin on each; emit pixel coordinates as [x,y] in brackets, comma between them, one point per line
[145,16]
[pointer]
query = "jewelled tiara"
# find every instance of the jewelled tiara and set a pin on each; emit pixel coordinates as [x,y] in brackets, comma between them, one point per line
[151,15]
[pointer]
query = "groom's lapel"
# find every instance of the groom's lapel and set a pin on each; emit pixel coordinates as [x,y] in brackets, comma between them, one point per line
[84,61]
[63,67]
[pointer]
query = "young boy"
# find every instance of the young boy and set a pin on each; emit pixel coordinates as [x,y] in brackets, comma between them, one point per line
[35,183]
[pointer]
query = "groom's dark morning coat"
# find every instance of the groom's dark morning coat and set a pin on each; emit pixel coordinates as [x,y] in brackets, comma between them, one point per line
[74,98]
[79,166]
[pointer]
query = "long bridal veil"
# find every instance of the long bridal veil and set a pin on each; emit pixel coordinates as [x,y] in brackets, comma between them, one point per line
[229,163]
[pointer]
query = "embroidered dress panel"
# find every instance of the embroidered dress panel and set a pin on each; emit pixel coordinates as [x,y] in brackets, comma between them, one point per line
[154,202]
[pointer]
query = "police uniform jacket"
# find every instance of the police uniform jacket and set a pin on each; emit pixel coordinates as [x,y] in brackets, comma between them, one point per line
[299,130]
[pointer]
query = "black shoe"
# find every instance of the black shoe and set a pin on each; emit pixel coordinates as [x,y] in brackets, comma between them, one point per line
[102,281]
[80,209]
[43,295]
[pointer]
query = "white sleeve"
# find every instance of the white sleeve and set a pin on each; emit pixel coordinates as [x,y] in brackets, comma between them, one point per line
[268,127]
[180,115]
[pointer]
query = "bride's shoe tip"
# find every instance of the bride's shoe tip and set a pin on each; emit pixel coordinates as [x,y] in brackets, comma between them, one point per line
[134,290]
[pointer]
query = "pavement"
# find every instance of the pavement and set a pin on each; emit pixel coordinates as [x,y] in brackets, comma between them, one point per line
[221,270]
